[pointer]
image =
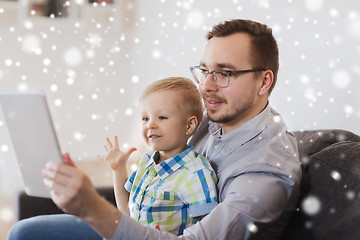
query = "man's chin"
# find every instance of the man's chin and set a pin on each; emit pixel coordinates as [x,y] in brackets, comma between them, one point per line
[212,115]
[215,117]
[218,118]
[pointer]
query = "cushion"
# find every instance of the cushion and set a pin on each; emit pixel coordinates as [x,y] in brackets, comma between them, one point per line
[310,142]
[329,204]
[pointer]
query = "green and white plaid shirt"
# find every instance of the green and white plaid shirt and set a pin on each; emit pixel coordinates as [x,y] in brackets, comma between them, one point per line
[172,194]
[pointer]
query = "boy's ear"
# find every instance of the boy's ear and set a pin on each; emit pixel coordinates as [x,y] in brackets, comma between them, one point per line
[191,125]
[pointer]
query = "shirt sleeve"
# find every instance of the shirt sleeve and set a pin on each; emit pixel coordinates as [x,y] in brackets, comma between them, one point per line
[129,182]
[200,192]
[251,209]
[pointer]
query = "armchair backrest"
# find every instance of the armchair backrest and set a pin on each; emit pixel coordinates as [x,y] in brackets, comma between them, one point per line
[329,204]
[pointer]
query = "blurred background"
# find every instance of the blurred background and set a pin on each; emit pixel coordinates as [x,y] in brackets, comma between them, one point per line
[93,59]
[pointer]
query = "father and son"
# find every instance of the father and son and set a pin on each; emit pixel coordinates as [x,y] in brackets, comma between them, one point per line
[231,173]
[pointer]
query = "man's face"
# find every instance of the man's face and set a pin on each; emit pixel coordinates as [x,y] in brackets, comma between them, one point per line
[236,104]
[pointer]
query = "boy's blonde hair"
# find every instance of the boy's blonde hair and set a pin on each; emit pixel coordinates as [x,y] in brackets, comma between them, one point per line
[187,91]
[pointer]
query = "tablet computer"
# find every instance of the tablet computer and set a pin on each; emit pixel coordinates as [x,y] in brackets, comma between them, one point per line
[33,137]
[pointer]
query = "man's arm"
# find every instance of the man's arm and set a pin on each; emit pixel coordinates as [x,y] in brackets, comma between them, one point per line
[257,205]
[252,200]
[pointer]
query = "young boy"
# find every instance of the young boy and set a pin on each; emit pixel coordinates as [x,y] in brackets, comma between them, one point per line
[173,186]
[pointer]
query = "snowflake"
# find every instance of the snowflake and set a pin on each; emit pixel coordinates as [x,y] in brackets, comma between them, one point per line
[311,205]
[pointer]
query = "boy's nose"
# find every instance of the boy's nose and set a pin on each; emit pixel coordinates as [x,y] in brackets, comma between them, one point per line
[151,124]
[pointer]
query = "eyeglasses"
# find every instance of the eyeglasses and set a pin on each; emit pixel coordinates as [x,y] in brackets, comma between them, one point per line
[221,77]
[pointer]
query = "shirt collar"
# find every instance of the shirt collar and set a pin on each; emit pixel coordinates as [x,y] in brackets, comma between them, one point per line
[167,167]
[245,132]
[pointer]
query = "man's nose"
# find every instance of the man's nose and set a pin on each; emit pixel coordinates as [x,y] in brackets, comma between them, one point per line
[209,83]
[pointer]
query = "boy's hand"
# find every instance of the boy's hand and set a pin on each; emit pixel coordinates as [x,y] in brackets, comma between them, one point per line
[114,157]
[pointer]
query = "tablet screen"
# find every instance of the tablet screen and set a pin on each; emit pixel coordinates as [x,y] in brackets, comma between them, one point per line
[33,137]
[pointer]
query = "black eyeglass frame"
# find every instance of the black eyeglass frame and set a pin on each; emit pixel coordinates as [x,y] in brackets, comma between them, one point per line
[229,73]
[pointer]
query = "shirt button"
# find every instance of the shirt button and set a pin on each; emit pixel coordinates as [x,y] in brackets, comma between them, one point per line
[151,173]
[216,147]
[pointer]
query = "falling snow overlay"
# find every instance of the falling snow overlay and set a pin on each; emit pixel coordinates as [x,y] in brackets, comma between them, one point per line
[93,61]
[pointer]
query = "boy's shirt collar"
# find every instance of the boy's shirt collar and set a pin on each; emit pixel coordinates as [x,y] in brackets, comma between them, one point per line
[168,166]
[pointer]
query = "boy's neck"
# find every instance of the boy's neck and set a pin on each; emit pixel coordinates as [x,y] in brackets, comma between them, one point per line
[157,157]
[160,156]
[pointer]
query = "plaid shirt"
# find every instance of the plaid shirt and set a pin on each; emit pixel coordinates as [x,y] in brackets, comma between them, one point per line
[172,194]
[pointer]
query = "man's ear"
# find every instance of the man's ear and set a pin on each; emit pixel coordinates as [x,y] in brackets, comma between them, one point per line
[191,125]
[267,81]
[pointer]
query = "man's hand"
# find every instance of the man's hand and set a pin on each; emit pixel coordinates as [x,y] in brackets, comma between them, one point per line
[70,188]
[72,191]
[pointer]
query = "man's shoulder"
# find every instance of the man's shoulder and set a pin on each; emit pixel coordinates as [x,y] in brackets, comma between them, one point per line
[275,154]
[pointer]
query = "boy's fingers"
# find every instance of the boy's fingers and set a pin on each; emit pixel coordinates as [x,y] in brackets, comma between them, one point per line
[116,141]
[109,143]
[130,151]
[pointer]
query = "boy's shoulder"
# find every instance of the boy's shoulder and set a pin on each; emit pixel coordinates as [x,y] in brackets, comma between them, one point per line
[144,159]
[199,169]
[197,162]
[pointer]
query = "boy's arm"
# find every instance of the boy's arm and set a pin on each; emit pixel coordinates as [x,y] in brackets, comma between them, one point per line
[121,194]
[117,161]
[200,192]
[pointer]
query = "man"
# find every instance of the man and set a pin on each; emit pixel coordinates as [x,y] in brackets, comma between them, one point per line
[247,143]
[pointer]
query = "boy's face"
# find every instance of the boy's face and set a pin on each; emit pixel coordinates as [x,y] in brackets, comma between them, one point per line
[164,122]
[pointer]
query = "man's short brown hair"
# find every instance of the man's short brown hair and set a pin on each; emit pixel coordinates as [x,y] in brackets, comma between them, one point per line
[264,47]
